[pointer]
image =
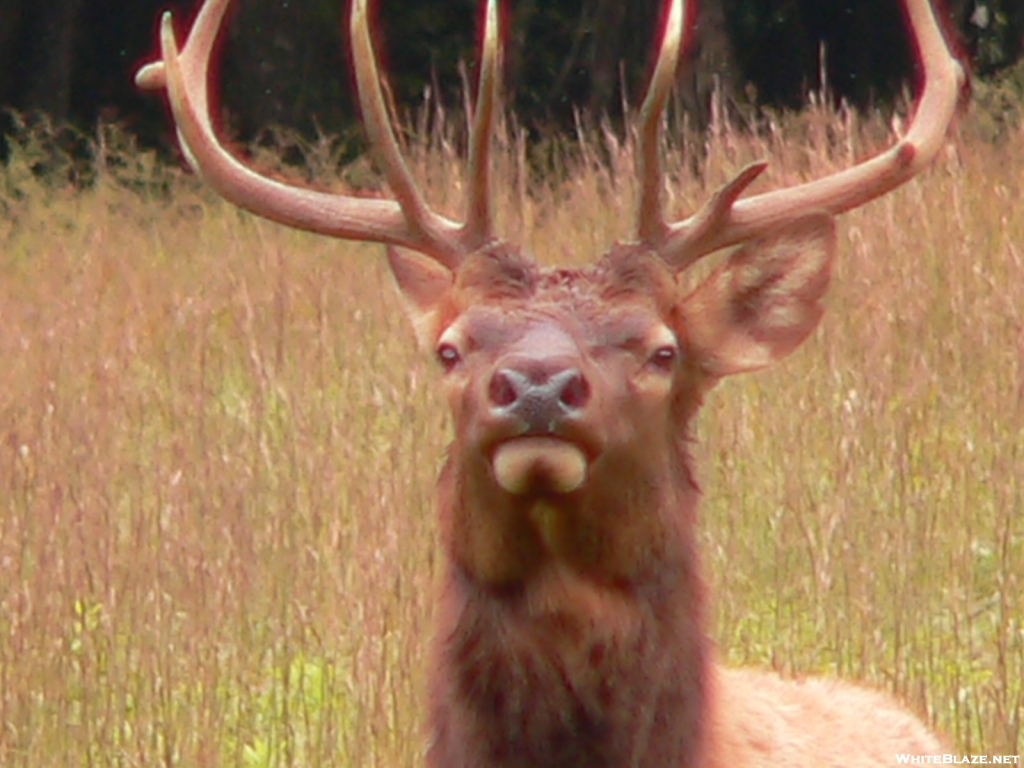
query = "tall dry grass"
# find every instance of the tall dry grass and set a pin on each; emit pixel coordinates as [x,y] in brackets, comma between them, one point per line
[218,445]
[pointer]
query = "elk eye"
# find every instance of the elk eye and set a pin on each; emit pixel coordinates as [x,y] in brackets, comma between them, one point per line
[448,356]
[664,356]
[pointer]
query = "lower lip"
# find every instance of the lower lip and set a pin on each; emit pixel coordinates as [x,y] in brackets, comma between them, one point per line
[522,464]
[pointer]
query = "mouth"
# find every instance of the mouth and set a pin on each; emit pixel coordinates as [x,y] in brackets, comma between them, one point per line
[539,464]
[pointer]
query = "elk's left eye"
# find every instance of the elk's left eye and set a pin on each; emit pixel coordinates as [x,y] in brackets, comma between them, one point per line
[664,356]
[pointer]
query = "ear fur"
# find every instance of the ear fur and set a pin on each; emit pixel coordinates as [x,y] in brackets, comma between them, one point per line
[763,301]
[425,287]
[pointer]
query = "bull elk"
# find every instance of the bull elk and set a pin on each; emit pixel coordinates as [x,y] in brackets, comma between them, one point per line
[572,609]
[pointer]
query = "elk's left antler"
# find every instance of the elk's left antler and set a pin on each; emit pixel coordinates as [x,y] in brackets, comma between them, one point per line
[726,220]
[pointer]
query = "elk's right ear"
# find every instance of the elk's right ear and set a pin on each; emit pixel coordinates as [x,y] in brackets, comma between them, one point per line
[425,287]
[763,301]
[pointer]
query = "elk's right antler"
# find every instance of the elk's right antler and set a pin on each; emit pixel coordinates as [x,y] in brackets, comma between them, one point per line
[726,220]
[406,221]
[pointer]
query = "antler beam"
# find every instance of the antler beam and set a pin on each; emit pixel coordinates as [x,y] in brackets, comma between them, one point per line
[726,220]
[406,221]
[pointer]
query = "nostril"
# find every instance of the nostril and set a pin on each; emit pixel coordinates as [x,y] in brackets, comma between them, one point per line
[536,395]
[502,390]
[575,391]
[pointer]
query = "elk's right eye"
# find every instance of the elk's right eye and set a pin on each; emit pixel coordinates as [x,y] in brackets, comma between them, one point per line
[664,356]
[448,356]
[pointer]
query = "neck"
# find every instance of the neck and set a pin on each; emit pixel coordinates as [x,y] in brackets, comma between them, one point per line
[571,632]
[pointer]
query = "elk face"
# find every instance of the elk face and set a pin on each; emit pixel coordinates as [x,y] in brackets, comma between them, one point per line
[548,371]
[572,390]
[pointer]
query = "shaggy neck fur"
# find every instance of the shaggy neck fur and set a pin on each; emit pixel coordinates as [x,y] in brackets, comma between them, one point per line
[572,626]
[585,649]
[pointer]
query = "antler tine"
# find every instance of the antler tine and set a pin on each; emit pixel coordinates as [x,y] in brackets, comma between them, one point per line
[421,219]
[651,225]
[406,222]
[479,219]
[725,221]
[204,34]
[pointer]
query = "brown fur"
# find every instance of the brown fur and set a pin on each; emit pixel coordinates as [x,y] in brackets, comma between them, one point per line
[760,720]
[581,641]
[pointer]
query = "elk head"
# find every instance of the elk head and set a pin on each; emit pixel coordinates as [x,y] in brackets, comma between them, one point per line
[572,390]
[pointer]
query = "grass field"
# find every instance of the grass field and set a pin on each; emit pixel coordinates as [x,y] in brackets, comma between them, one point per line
[218,446]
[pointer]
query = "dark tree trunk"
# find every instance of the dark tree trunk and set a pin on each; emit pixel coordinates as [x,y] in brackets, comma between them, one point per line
[12,30]
[517,52]
[52,58]
[605,55]
[711,71]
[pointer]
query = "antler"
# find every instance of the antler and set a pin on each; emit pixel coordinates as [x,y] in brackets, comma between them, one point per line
[406,221]
[726,220]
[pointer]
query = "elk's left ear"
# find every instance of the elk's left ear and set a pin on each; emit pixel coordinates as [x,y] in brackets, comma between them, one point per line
[425,287]
[763,301]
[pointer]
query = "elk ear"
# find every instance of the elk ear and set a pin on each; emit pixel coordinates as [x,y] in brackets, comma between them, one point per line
[763,301]
[425,287]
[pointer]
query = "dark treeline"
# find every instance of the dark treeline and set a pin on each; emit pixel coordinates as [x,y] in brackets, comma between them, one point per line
[285,62]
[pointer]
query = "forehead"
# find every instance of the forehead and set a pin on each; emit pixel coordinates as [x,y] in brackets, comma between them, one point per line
[591,305]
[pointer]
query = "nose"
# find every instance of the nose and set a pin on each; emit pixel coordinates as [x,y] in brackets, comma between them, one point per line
[543,393]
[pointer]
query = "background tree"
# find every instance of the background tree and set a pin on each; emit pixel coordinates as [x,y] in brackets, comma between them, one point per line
[285,62]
